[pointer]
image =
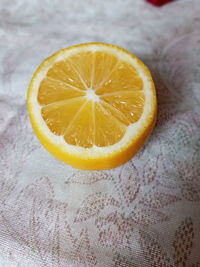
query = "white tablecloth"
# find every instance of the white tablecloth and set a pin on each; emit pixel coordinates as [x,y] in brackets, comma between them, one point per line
[144,213]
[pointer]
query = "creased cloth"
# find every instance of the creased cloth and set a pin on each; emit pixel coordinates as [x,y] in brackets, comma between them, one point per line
[144,213]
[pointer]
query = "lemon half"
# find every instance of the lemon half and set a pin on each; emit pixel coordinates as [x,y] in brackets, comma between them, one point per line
[92,105]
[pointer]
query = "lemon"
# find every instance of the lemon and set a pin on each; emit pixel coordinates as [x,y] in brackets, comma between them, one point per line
[92,105]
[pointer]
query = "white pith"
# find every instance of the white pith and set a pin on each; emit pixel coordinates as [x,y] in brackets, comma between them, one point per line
[131,131]
[91,95]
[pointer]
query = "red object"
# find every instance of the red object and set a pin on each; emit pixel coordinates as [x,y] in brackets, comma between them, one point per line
[159,2]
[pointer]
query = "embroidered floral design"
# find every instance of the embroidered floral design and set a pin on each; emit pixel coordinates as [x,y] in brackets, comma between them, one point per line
[93,205]
[183,245]
[87,177]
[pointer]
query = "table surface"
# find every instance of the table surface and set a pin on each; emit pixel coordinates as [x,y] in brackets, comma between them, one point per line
[144,213]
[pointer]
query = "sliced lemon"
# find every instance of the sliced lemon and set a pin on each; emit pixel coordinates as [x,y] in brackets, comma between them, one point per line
[92,105]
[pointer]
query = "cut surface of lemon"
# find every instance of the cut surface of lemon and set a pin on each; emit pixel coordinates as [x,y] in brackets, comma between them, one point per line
[92,105]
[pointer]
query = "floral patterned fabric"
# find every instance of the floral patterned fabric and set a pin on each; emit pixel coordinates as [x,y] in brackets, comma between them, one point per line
[144,213]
